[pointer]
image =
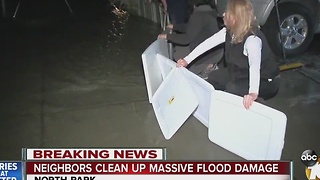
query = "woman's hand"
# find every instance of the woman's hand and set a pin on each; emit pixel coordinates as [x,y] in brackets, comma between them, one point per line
[162,36]
[182,63]
[170,26]
[249,99]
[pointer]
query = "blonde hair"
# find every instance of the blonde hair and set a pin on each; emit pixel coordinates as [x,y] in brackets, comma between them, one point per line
[245,21]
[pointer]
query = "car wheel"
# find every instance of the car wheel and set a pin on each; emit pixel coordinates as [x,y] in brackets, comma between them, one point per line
[297,29]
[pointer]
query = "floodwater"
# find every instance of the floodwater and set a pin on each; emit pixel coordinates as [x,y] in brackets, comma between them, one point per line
[66,63]
[78,82]
[55,68]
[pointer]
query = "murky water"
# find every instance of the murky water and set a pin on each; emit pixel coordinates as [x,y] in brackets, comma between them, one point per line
[52,64]
[78,82]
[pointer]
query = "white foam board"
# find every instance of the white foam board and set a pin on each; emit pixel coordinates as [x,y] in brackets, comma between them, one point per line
[173,102]
[203,91]
[163,47]
[254,134]
[165,64]
[152,72]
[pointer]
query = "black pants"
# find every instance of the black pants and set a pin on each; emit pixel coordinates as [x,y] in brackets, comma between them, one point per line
[221,80]
[177,10]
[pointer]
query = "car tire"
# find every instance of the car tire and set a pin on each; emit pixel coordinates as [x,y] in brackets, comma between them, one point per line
[296,39]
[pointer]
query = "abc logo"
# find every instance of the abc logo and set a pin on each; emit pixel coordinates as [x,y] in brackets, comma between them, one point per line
[312,162]
[309,157]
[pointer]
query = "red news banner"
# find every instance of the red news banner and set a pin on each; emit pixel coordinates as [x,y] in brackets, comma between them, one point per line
[100,164]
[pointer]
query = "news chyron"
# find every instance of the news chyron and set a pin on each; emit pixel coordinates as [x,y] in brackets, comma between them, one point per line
[16,170]
[133,163]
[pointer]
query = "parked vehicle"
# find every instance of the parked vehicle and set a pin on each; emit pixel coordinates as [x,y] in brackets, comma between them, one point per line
[299,21]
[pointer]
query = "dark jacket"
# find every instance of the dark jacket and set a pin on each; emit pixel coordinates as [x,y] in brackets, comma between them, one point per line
[201,25]
[238,63]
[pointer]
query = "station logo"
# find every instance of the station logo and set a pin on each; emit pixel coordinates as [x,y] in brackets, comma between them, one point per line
[312,162]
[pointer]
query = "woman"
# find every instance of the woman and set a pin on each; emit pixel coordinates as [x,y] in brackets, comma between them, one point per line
[251,71]
[201,25]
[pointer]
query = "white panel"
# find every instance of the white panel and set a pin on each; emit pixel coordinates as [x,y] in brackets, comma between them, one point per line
[254,134]
[200,87]
[203,91]
[166,65]
[173,102]
[151,67]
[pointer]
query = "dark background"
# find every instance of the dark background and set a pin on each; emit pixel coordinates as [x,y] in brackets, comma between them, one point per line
[38,9]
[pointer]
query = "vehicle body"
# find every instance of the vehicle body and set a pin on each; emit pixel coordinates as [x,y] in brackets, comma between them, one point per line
[299,21]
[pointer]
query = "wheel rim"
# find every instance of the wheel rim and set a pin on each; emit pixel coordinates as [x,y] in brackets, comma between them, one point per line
[294,31]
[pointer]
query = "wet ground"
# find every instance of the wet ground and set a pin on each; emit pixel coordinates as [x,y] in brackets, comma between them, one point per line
[79,83]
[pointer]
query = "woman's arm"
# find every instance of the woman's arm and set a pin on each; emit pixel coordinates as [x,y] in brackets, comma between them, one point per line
[206,45]
[252,49]
[182,28]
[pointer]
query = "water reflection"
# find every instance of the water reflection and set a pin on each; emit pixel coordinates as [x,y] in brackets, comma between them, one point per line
[119,23]
[72,62]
